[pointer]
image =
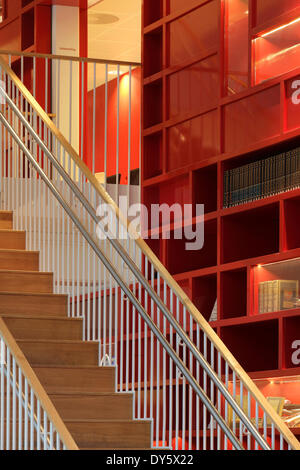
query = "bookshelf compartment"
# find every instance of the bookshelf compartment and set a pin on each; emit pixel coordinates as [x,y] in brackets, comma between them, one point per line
[291,223]
[152,104]
[237,44]
[233,302]
[241,229]
[193,34]
[276,52]
[194,88]
[205,295]
[27,27]
[291,335]
[179,260]
[276,286]
[183,146]
[152,11]
[205,182]
[26,2]
[254,345]
[265,106]
[176,191]
[152,155]
[267,10]
[153,52]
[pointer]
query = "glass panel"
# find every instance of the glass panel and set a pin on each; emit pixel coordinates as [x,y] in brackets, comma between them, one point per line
[266,10]
[277,51]
[194,33]
[193,141]
[236,40]
[256,118]
[194,87]
[276,286]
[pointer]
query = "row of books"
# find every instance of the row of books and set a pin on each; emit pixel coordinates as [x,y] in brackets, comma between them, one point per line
[262,178]
[278,295]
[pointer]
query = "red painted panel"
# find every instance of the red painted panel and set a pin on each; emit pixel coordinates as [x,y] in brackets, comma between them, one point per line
[237,45]
[12,8]
[176,5]
[293,103]
[68,3]
[10,36]
[277,52]
[193,141]
[252,119]
[195,87]
[112,126]
[194,33]
[268,9]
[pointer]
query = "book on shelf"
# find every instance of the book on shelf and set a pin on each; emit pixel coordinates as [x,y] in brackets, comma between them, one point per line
[214,312]
[262,178]
[277,295]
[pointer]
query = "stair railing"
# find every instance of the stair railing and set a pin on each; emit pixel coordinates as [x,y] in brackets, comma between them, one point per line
[81,96]
[28,419]
[182,375]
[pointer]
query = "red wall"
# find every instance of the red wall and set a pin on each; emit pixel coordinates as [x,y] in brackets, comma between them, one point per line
[112,125]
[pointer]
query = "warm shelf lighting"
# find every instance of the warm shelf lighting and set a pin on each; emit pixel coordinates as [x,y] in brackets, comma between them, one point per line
[280,27]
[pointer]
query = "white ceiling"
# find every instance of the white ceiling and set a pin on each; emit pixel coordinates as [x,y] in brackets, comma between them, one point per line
[120,40]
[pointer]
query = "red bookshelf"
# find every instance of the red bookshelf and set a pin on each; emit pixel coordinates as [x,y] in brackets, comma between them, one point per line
[211,113]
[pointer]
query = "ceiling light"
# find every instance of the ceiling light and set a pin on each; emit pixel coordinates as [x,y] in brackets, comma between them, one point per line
[102,18]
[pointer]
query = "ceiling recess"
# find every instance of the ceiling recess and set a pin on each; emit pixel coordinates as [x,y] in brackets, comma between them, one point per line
[102,18]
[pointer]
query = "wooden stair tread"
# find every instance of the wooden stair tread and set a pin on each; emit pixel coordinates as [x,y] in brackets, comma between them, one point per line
[18,271]
[39,317]
[67,393]
[105,421]
[11,230]
[54,341]
[35,294]
[16,250]
[53,366]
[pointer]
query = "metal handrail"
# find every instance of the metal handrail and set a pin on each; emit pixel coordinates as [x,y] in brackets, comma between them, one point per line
[166,345]
[86,60]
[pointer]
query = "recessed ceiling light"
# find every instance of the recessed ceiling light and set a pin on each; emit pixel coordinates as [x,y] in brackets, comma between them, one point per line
[102,18]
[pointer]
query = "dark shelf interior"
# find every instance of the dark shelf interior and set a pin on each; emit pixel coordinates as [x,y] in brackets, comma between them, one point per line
[251,233]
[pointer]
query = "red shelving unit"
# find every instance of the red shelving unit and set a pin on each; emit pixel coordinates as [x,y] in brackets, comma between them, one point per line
[210,115]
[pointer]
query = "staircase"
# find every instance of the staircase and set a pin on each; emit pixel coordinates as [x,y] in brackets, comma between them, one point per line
[67,367]
[102,300]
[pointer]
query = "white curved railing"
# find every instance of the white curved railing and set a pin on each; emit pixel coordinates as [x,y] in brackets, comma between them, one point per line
[182,375]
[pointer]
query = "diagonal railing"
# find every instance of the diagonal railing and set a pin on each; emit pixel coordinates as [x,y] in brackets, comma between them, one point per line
[95,104]
[28,419]
[183,376]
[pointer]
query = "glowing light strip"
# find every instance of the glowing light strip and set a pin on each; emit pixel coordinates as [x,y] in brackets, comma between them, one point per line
[280,27]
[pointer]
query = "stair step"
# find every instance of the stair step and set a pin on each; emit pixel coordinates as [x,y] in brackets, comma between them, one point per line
[45,328]
[68,353]
[33,303]
[12,239]
[108,433]
[100,406]
[26,281]
[19,260]
[74,379]
[6,220]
